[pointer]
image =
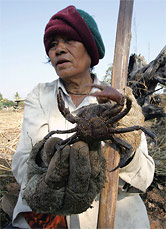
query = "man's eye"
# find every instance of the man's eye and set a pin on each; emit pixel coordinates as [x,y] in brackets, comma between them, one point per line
[53,44]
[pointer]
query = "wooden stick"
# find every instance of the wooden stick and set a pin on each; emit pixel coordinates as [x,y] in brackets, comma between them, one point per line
[122,46]
[108,198]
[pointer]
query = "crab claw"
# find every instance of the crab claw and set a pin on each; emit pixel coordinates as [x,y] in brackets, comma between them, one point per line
[107,93]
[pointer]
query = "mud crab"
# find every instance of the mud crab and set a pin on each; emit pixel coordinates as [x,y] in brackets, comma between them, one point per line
[97,122]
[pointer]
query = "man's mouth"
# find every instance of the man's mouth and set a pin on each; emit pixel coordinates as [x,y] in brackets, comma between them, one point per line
[63,61]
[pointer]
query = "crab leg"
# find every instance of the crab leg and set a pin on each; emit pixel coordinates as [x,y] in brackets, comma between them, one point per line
[60,132]
[129,149]
[66,142]
[65,111]
[132,128]
[116,109]
[122,114]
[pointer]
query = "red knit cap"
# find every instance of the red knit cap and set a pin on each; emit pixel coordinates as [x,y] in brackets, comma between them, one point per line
[69,22]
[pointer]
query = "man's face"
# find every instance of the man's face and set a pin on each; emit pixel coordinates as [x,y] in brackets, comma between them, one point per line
[69,57]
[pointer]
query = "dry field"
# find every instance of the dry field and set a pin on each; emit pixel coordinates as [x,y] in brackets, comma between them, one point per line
[10,126]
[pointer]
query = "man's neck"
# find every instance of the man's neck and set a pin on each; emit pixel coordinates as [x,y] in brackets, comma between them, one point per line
[78,85]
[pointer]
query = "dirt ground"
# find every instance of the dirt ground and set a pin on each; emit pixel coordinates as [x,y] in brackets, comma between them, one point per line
[10,126]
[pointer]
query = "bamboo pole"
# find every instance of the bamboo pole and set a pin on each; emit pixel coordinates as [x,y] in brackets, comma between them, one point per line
[108,198]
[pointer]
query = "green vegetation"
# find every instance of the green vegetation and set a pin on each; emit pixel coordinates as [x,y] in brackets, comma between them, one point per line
[17,96]
[6,104]
[108,74]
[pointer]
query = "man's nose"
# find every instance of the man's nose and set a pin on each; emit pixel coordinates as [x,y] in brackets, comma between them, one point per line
[61,47]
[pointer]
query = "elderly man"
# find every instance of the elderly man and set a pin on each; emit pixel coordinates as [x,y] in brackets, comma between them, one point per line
[63,191]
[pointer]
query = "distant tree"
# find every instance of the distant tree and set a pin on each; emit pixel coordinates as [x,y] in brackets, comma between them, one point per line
[8,103]
[1,97]
[108,74]
[17,96]
[5,103]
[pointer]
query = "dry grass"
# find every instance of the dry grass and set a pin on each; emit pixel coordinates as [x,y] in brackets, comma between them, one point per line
[158,150]
[10,127]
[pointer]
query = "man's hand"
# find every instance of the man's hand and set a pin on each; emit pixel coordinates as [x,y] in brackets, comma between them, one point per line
[75,175]
[58,169]
[86,177]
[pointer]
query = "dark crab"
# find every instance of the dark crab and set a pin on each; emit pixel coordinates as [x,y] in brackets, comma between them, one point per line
[97,122]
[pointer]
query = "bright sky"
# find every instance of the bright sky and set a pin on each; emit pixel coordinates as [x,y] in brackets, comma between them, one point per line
[22,24]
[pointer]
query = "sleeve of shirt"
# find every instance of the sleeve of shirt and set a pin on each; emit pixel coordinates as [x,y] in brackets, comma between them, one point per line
[35,126]
[139,172]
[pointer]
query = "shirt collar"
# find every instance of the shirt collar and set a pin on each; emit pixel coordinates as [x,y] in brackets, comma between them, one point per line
[95,81]
[61,85]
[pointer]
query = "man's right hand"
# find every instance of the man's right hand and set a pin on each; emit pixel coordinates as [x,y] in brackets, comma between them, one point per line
[58,168]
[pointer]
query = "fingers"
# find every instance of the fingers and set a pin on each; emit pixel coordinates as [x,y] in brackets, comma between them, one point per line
[80,169]
[109,93]
[80,152]
[73,166]
[50,149]
[95,163]
[79,158]
[106,93]
[58,169]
